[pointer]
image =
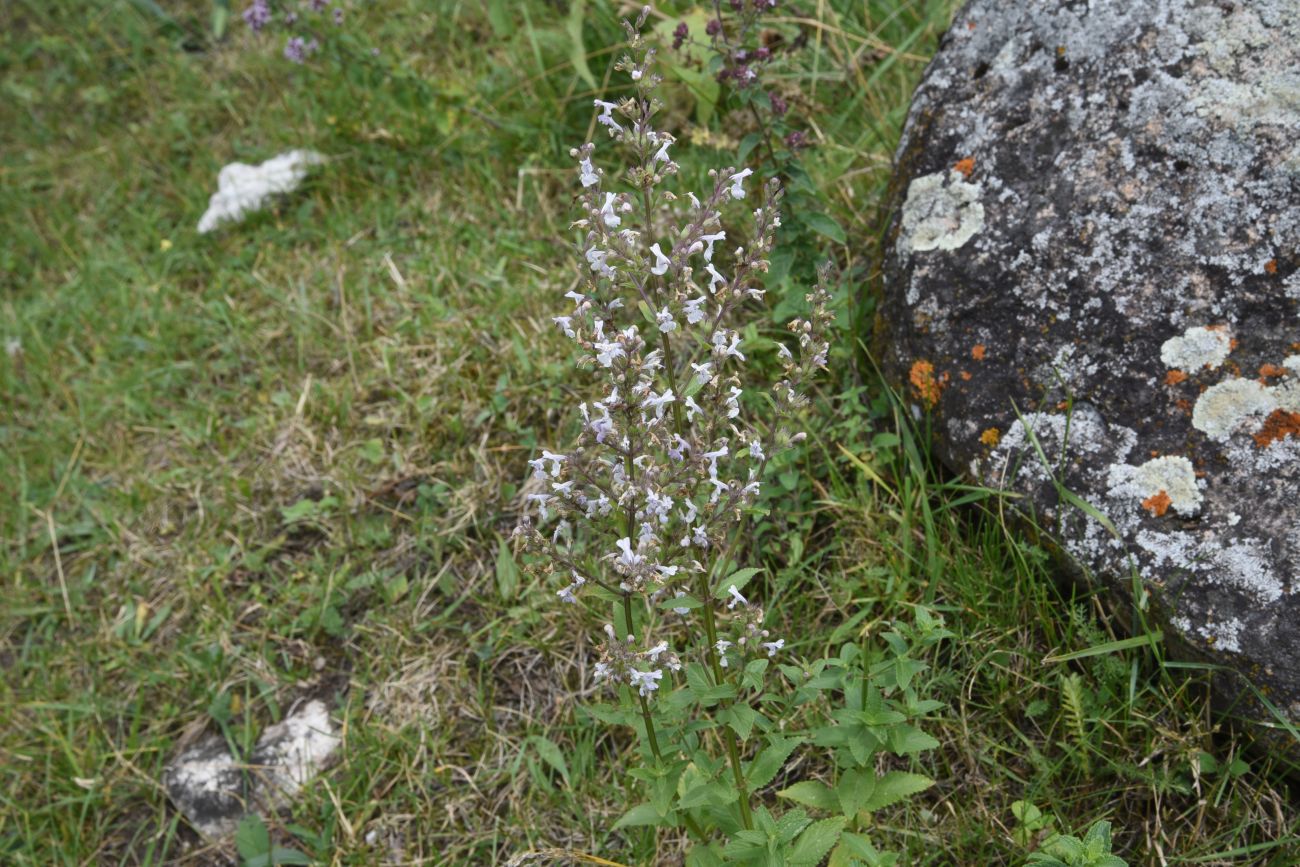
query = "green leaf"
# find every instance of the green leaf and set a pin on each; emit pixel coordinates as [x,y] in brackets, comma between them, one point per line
[278,855]
[816,840]
[680,602]
[812,793]
[769,762]
[252,838]
[551,754]
[220,18]
[752,678]
[577,49]
[1097,840]
[737,579]
[741,718]
[640,816]
[747,145]
[854,790]
[704,690]
[507,571]
[894,787]
[1148,640]
[709,794]
[907,739]
[824,225]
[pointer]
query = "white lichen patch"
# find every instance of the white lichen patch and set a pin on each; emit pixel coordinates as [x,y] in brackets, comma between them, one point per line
[1232,405]
[1197,348]
[1241,565]
[1171,474]
[942,212]
[1292,364]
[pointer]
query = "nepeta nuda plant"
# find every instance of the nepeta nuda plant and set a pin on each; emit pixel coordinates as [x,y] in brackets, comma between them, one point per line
[649,503]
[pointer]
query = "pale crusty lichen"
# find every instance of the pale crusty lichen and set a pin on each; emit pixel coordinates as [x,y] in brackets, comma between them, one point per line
[1172,474]
[1231,405]
[942,212]
[1197,348]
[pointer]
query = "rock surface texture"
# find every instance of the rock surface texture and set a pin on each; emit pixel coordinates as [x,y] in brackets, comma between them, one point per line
[1094,258]
[214,789]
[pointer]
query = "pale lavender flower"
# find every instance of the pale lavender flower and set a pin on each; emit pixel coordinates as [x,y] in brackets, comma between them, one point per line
[736,598]
[645,681]
[737,190]
[606,115]
[773,646]
[257,15]
[587,174]
[694,311]
[714,278]
[664,319]
[709,241]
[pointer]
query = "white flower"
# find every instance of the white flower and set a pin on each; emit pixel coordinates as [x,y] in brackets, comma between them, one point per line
[694,310]
[736,598]
[733,404]
[695,203]
[645,681]
[628,558]
[606,352]
[692,408]
[566,595]
[654,652]
[601,671]
[714,277]
[661,261]
[721,346]
[721,646]
[597,259]
[607,117]
[661,155]
[578,298]
[665,319]
[541,500]
[756,451]
[773,646]
[658,402]
[678,447]
[738,191]
[587,173]
[607,212]
[783,352]
[566,325]
[708,240]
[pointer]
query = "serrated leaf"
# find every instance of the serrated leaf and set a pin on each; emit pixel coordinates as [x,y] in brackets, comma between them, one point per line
[854,790]
[710,795]
[747,145]
[906,740]
[680,602]
[812,793]
[816,840]
[894,787]
[640,816]
[824,225]
[767,764]
[737,579]
[741,718]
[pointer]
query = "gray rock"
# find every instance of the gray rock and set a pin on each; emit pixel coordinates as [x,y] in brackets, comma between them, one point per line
[1095,238]
[214,790]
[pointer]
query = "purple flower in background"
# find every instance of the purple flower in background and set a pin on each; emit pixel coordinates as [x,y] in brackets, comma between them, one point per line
[679,35]
[298,50]
[257,15]
[318,5]
[714,27]
[338,16]
[779,105]
[796,140]
[291,18]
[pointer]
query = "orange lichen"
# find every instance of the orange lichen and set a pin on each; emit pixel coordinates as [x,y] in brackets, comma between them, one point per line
[991,437]
[923,382]
[965,376]
[977,352]
[1174,377]
[1270,267]
[1270,371]
[1185,405]
[1279,425]
[1157,504]
[966,166]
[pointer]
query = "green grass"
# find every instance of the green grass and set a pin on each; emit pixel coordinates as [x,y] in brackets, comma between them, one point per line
[280,461]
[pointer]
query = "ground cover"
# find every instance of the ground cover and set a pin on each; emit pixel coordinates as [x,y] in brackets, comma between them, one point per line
[282,461]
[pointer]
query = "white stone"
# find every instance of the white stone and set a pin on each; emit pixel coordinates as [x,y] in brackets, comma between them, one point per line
[243,189]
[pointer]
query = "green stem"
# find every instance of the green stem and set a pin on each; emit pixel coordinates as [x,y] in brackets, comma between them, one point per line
[728,736]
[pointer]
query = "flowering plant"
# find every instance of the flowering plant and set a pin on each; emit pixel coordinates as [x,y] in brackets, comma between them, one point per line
[640,520]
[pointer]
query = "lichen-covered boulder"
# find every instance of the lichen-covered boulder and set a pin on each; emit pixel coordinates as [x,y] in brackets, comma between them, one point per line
[1092,280]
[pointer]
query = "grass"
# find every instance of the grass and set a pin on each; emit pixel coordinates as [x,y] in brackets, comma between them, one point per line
[281,461]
